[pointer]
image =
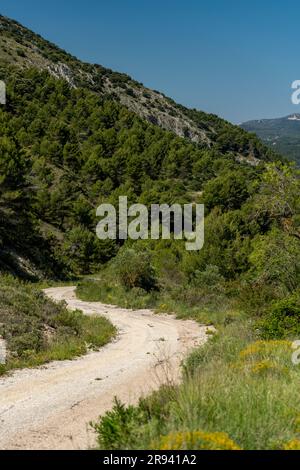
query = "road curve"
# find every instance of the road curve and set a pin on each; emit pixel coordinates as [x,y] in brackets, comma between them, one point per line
[50,407]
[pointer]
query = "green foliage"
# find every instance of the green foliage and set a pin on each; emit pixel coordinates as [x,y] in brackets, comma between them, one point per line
[108,289]
[63,151]
[282,319]
[134,269]
[275,260]
[221,378]
[118,428]
[211,277]
[124,426]
[82,251]
[228,190]
[278,198]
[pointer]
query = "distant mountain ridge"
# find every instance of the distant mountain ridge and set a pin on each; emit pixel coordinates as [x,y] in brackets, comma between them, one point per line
[281,134]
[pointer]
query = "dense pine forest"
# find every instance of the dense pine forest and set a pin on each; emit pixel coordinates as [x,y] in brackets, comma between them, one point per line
[64,151]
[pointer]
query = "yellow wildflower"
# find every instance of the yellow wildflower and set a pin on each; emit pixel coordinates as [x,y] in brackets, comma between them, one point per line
[292,445]
[264,347]
[266,366]
[163,307]
[197,440]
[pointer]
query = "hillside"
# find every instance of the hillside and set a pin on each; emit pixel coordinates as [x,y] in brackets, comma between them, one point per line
[282,134]
[73,134]
[20,46]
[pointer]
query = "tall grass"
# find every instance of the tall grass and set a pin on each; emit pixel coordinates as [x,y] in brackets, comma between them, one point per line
[109,291]
[237,392]
[37,330]
[185,301]
[236,385]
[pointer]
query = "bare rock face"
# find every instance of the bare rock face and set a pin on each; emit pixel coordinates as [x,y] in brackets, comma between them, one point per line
[156,108]
[62,71]
[146,103]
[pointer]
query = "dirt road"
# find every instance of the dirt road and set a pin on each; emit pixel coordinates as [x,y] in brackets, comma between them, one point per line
[50,407]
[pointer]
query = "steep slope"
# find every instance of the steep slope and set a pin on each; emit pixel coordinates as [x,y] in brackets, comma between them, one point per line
[21,47]
[282,134]
[73,135]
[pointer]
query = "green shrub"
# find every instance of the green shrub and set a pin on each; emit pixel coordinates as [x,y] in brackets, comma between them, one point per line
[71,320]
[21,52]
[119,427]
[30,341]
[210,277]
[124,426]
[134,269]
[283,318]
[275,260]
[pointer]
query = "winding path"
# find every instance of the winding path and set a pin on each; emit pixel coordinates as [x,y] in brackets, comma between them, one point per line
[50,407]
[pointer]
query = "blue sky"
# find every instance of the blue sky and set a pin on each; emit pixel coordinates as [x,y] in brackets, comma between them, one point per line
[235,58]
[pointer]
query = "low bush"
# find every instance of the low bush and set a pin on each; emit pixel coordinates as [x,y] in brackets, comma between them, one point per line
[283,318]
[134,269]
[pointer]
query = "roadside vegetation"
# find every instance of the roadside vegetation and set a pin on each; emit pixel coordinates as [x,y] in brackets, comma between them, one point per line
[37,330]
[237,392]
[240,391]
[207,303]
